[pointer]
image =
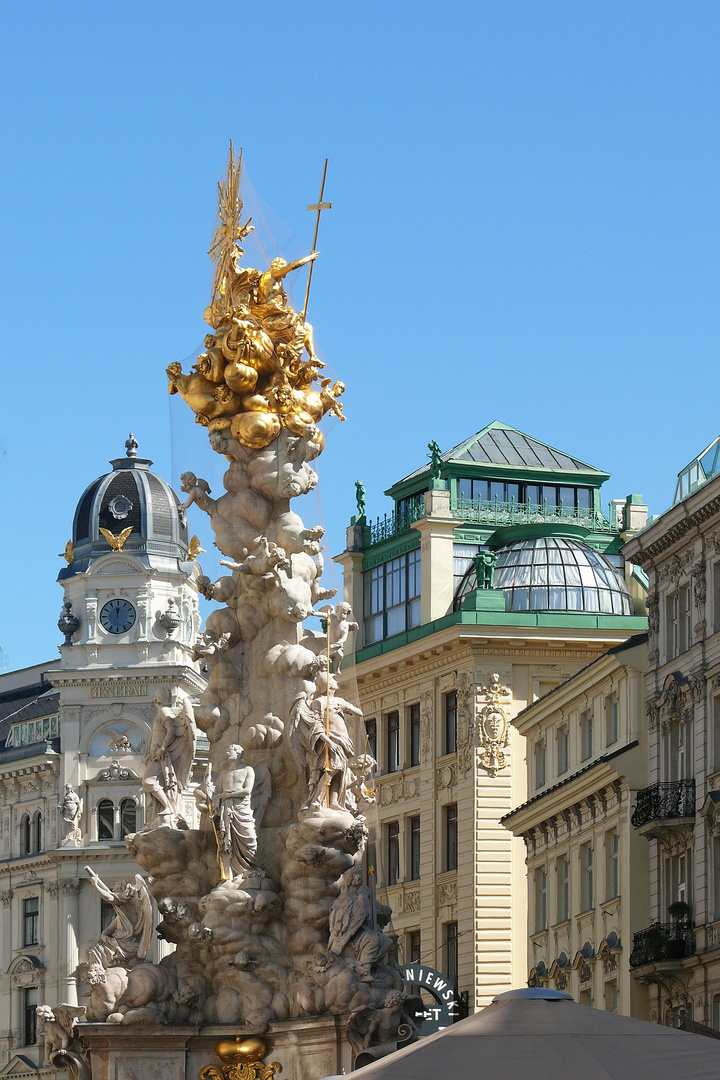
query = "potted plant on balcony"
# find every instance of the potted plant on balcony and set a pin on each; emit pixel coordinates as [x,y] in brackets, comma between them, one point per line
[676,946]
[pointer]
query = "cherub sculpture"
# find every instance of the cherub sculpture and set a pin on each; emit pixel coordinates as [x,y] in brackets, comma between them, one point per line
[197,491]
[329,393]
[60,1023]
[388,1025]
[211,647]
[340,623]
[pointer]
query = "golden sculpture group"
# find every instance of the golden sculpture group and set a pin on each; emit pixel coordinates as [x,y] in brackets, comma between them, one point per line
[259,370]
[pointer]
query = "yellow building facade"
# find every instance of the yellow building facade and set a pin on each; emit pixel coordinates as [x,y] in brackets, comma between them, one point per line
[496,578]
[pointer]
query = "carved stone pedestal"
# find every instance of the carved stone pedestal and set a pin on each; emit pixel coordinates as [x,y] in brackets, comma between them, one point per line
[308,1048]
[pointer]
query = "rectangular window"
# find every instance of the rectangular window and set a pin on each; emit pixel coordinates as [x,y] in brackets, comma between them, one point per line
[587,894]
[716,878]
[414,739]
[30,1004]
[107,914]
[31,920]
[413,947]
[451,952]
[671,626]
[611,996]
[451,722]
[539,756]
[540,901]
[393,741]
[586,998]
[414,830]
[391,597]
[716,598]
[612,865]
[451,837]
[562,881]
[612,720]
[563,749]
[371,738]
[393,852]
[586,735]
[684,618]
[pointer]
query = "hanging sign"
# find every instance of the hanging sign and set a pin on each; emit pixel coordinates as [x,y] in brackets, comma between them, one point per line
[447,1005]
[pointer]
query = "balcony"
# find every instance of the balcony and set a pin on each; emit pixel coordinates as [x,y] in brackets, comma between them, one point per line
[664,810]
[494,512]
[662,941]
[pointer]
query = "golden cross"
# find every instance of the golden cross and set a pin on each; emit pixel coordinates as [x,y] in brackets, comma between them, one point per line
[319,206]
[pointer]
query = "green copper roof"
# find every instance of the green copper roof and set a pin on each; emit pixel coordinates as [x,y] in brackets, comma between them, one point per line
[505,446]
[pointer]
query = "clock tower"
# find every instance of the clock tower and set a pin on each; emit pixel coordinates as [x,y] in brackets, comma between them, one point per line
[130,619]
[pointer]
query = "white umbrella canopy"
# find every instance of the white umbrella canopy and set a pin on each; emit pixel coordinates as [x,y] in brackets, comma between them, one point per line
[545,1035]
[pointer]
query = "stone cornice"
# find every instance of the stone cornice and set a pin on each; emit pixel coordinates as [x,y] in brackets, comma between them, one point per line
[641,554]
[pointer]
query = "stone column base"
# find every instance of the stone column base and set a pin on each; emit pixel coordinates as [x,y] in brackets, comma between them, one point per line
[308,1048]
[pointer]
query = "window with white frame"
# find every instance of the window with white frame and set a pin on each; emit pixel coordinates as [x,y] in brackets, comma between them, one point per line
[611,996]
[562,886]
[563,749]
[716,878]
[106,819]
[29,1009]
[539,759]
[612,720]
[677,879]
[540,900]
[587,880]
[678,758]
[716,597]
[586,734]
[612,864]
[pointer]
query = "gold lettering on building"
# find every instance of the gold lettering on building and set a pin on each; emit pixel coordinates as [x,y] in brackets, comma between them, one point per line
[118,689]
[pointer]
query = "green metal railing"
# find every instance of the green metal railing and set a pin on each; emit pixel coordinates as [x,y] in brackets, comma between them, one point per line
[494,512]
[390,525]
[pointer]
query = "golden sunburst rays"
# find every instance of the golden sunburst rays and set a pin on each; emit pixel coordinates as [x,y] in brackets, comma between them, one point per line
[225,249]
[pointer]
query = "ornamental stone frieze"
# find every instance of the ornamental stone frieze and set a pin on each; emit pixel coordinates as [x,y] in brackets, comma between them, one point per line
[446,776]
[116,772]
[407,903]
[466,721]
[427,725]
[699,583]
[389,793]
[5,897]
[447,894]
[676,566]
[697,685]
[492,726]
[70,886]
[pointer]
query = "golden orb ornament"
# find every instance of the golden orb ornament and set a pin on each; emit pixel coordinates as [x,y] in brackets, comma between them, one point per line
[242,1048]
[255,429]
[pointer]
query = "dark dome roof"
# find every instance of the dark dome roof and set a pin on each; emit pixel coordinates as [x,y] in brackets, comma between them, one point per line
[129,497]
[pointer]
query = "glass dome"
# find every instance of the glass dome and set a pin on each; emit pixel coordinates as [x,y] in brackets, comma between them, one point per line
[553,574]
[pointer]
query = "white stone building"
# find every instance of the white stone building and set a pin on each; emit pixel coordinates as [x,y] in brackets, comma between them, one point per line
[84,720]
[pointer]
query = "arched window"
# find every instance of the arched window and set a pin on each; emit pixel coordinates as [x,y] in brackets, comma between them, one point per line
[128,817]
[25,835]
[106,819]
[37,832]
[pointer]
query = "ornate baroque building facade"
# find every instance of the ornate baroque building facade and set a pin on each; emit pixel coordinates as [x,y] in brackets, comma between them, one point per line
[587,869]
[78,727]
[495,579]
[677,954]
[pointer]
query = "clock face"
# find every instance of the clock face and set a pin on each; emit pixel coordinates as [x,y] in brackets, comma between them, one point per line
[117,616]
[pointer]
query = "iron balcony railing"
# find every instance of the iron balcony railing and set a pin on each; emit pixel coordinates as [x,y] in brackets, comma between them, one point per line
[662,801]
[390,525]
[662,941]
[494,512]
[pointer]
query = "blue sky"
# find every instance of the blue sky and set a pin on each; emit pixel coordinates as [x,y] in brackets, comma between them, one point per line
[525,227]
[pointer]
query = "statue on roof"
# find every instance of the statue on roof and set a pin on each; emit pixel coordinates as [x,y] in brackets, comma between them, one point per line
[435,456]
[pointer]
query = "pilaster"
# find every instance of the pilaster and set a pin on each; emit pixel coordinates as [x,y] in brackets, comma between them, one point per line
[436,530]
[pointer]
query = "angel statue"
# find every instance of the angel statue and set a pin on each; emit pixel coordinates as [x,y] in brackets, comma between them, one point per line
[169,758]
[71,809]
[319,739]
[60,1023]
[235,819]
[125,942]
